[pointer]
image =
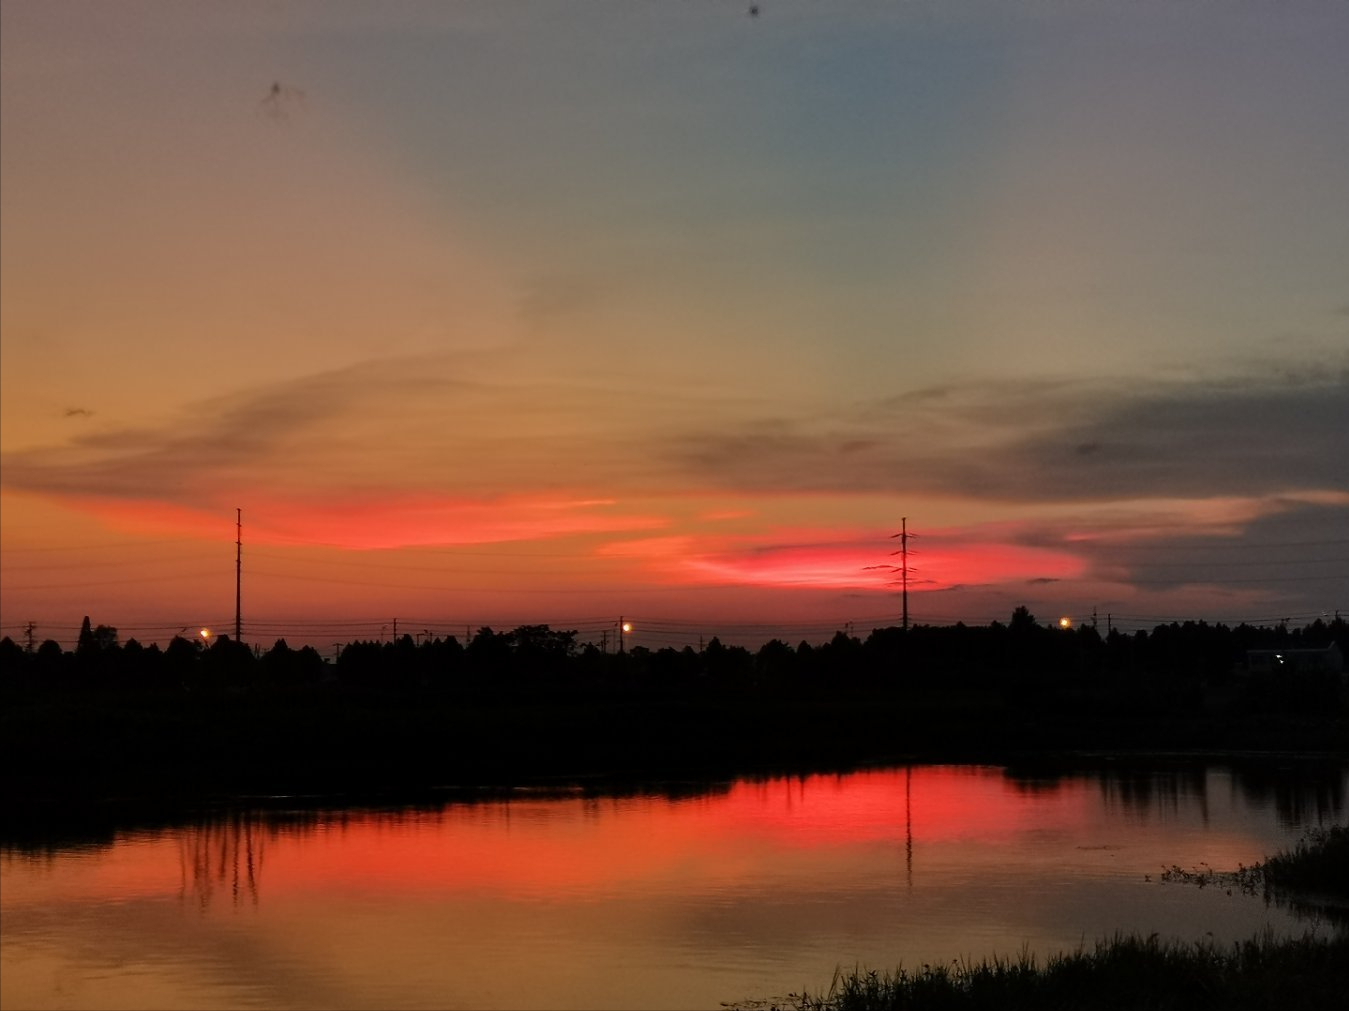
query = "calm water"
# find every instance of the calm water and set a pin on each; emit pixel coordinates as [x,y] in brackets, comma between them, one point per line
[744,891]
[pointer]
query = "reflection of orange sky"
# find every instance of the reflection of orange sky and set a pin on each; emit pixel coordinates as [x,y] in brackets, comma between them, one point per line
[537,847]
[937,830]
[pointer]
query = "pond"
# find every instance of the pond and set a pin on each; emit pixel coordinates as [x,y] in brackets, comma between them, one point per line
[681,896]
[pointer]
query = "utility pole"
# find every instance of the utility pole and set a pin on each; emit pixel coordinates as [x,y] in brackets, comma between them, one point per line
[28,631]
[238,573]
[903,553]
[904,565]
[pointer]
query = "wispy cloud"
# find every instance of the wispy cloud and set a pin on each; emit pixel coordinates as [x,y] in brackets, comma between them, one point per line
[1048,441]
[447,436]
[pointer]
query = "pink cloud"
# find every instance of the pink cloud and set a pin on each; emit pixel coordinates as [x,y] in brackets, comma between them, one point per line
[856,560]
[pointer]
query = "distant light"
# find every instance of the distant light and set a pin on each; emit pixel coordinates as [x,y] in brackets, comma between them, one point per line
[627,626]
[206,633]
[1065,623]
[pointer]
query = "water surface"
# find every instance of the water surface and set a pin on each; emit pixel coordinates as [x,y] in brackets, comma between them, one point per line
[683,898]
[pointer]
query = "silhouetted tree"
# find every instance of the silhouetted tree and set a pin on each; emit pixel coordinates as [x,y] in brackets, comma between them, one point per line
[775,661]
[285,666]
[14,663]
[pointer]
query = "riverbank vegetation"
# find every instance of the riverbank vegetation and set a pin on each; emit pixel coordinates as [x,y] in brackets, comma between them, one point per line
[1313,877]
[1123,974]
[1130,973]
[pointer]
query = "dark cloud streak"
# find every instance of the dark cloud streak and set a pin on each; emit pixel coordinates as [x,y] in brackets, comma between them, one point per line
[1052,442]
[1027,442]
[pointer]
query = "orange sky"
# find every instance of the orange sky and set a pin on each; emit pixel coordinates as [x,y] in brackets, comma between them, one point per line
[495,318]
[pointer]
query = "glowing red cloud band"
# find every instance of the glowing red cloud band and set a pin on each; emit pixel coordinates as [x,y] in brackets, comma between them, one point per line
[366,524]
[854,566]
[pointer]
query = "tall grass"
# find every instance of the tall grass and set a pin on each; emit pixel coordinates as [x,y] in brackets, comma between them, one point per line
[1319,864]
[1131,973]
[1126,972]
[1313,877]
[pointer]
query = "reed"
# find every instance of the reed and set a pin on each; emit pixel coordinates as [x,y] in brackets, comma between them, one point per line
[1125,972]
[1312,877]
[1132,973]
[1319,863]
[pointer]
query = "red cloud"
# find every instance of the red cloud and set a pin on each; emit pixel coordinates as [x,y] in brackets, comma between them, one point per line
[860,563]
[374,523]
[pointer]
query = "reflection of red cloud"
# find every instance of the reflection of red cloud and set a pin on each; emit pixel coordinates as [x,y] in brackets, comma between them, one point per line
[372,523]
[532,848]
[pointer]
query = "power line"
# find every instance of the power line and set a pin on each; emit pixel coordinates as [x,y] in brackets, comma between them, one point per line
[661,632]
[174,577]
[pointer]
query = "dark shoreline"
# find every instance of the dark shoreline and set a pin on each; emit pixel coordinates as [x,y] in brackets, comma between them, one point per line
[114,725]
[103,759]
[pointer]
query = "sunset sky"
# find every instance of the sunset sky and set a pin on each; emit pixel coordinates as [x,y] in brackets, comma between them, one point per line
[505,313]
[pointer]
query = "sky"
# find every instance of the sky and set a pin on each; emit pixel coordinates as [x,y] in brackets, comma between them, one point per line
[513,313]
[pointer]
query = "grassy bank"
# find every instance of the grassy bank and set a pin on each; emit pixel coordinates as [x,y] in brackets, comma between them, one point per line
[1146,974]
[1130,973]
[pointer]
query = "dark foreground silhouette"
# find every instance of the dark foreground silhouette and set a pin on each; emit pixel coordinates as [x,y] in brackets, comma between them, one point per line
[119,723]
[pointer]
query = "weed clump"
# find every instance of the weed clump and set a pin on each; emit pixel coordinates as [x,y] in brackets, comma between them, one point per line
[1132,973]
[1126,973]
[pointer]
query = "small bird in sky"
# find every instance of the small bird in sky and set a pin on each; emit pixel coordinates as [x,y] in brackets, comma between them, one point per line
[279,100]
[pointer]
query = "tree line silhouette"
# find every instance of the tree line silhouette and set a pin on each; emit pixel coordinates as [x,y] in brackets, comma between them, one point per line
[1169,669]
[191,721]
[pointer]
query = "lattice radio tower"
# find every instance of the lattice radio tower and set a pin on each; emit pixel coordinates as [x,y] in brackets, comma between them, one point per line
[903,553]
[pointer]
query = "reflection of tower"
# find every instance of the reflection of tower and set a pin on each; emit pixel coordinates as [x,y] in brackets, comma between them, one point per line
[227,852]
[908,822]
